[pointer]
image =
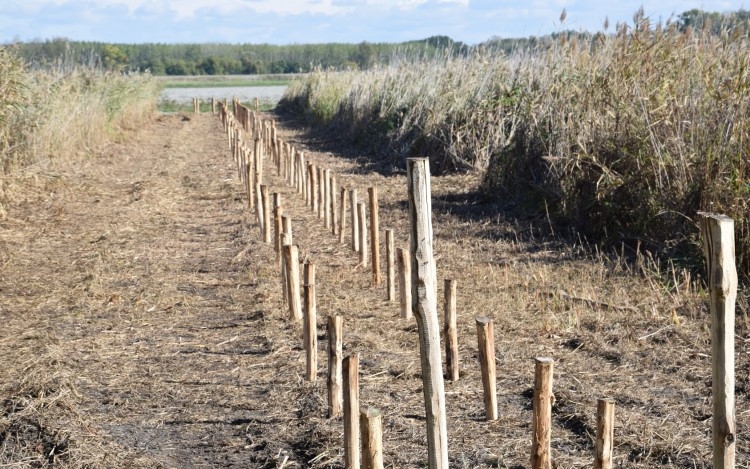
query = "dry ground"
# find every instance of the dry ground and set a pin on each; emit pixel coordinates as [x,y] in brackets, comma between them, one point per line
[133,334]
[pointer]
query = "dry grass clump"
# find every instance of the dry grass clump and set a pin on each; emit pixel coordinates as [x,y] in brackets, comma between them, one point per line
[622,136]
[59,113]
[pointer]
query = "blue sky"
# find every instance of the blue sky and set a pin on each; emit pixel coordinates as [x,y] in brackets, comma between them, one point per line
[309,21]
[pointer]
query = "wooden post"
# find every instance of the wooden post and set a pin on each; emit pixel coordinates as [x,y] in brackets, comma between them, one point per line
[541,422]
[259,207]
[451,337]
[301,173]
[310,325]
[314,192]
[335,376]
[362,217]
[605,430]
[390,269]
[375,235]
[291,258]
[286,240]
[321,191]
[486,341]
[342,215]
[266,214]
[404,282]
[332,208]
[717,233]
[256,103]
[354,219]
[424,303]
[277,232]
[213,105]
[351,411]
[371,431]
[327,198]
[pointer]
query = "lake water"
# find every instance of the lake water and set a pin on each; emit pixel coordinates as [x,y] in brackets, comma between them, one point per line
[244,93]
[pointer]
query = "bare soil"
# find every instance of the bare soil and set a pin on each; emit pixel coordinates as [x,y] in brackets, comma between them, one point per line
[142,324]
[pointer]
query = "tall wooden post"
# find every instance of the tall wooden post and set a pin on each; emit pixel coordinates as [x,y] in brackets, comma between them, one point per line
[354,219]
[310,324]
[327,199]
[342,215]
[605,430]
[291,258]
[266,214]
[404,282]
[486,342]
[259,206]
[351,411]
[362,229]
[451,335]
[424,304]
[375,235]
[371,431]
[718,245]
[277,232]
[332,208]
[321,191]
[541,422]
[335,357]
[315,184]
[390,268]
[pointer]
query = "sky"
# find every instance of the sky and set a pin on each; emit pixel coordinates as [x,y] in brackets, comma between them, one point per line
[316,21]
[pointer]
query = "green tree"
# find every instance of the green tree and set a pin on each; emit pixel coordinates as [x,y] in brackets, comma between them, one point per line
[113,58]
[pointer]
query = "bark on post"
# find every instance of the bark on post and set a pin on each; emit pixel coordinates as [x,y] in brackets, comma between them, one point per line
[717,233]
[351,411]
[266,214]
[424,304]
[390,269]
[310,325]
[362,229]
[404,282]
[354,219]
[375,235]
[335,357]
[451,336]
[486,341]
[371,432]
[291,258]
[605,430]
[541,422]
[342,215]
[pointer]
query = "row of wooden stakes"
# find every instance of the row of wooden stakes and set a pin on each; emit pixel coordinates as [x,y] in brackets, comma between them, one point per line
[318,188]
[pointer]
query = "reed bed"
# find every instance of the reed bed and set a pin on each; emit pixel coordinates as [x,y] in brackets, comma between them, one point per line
[62,112]
[620,137]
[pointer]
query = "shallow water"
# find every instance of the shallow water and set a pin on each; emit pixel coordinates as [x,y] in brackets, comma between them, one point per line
[244,93]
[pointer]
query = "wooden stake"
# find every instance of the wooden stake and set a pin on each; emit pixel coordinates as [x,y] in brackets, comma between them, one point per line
[266,214]
[291,258]
[327,198]
[321,191]
[277,232]
[451,336]
[486,341]
[315,189]
[390,268]
[354,219]
[605,430]
[310,325]
[404,282]
[362,229]
[286,240]
[335,376]
[351,411]
[342,215]
[717,233]
[375,235]
[542,419]
[371,431]
[259,207]
[332,208]
[424,303]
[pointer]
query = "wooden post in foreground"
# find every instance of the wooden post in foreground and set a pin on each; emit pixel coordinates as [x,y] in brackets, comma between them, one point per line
[541,423]
[335,357]
[310,324]
[717,233]
[390,267]
[486,341]
[362,229]
[424,303]
[291,259]
[605,430]
[371,431]
[404,282]
[450,333]
[354,219]
[351,411]
[375,235]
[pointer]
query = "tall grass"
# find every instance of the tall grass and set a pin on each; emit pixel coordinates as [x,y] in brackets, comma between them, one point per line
[63,111]
[622,136]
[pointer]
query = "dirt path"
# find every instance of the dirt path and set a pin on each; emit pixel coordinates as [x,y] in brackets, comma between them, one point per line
[135,336]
